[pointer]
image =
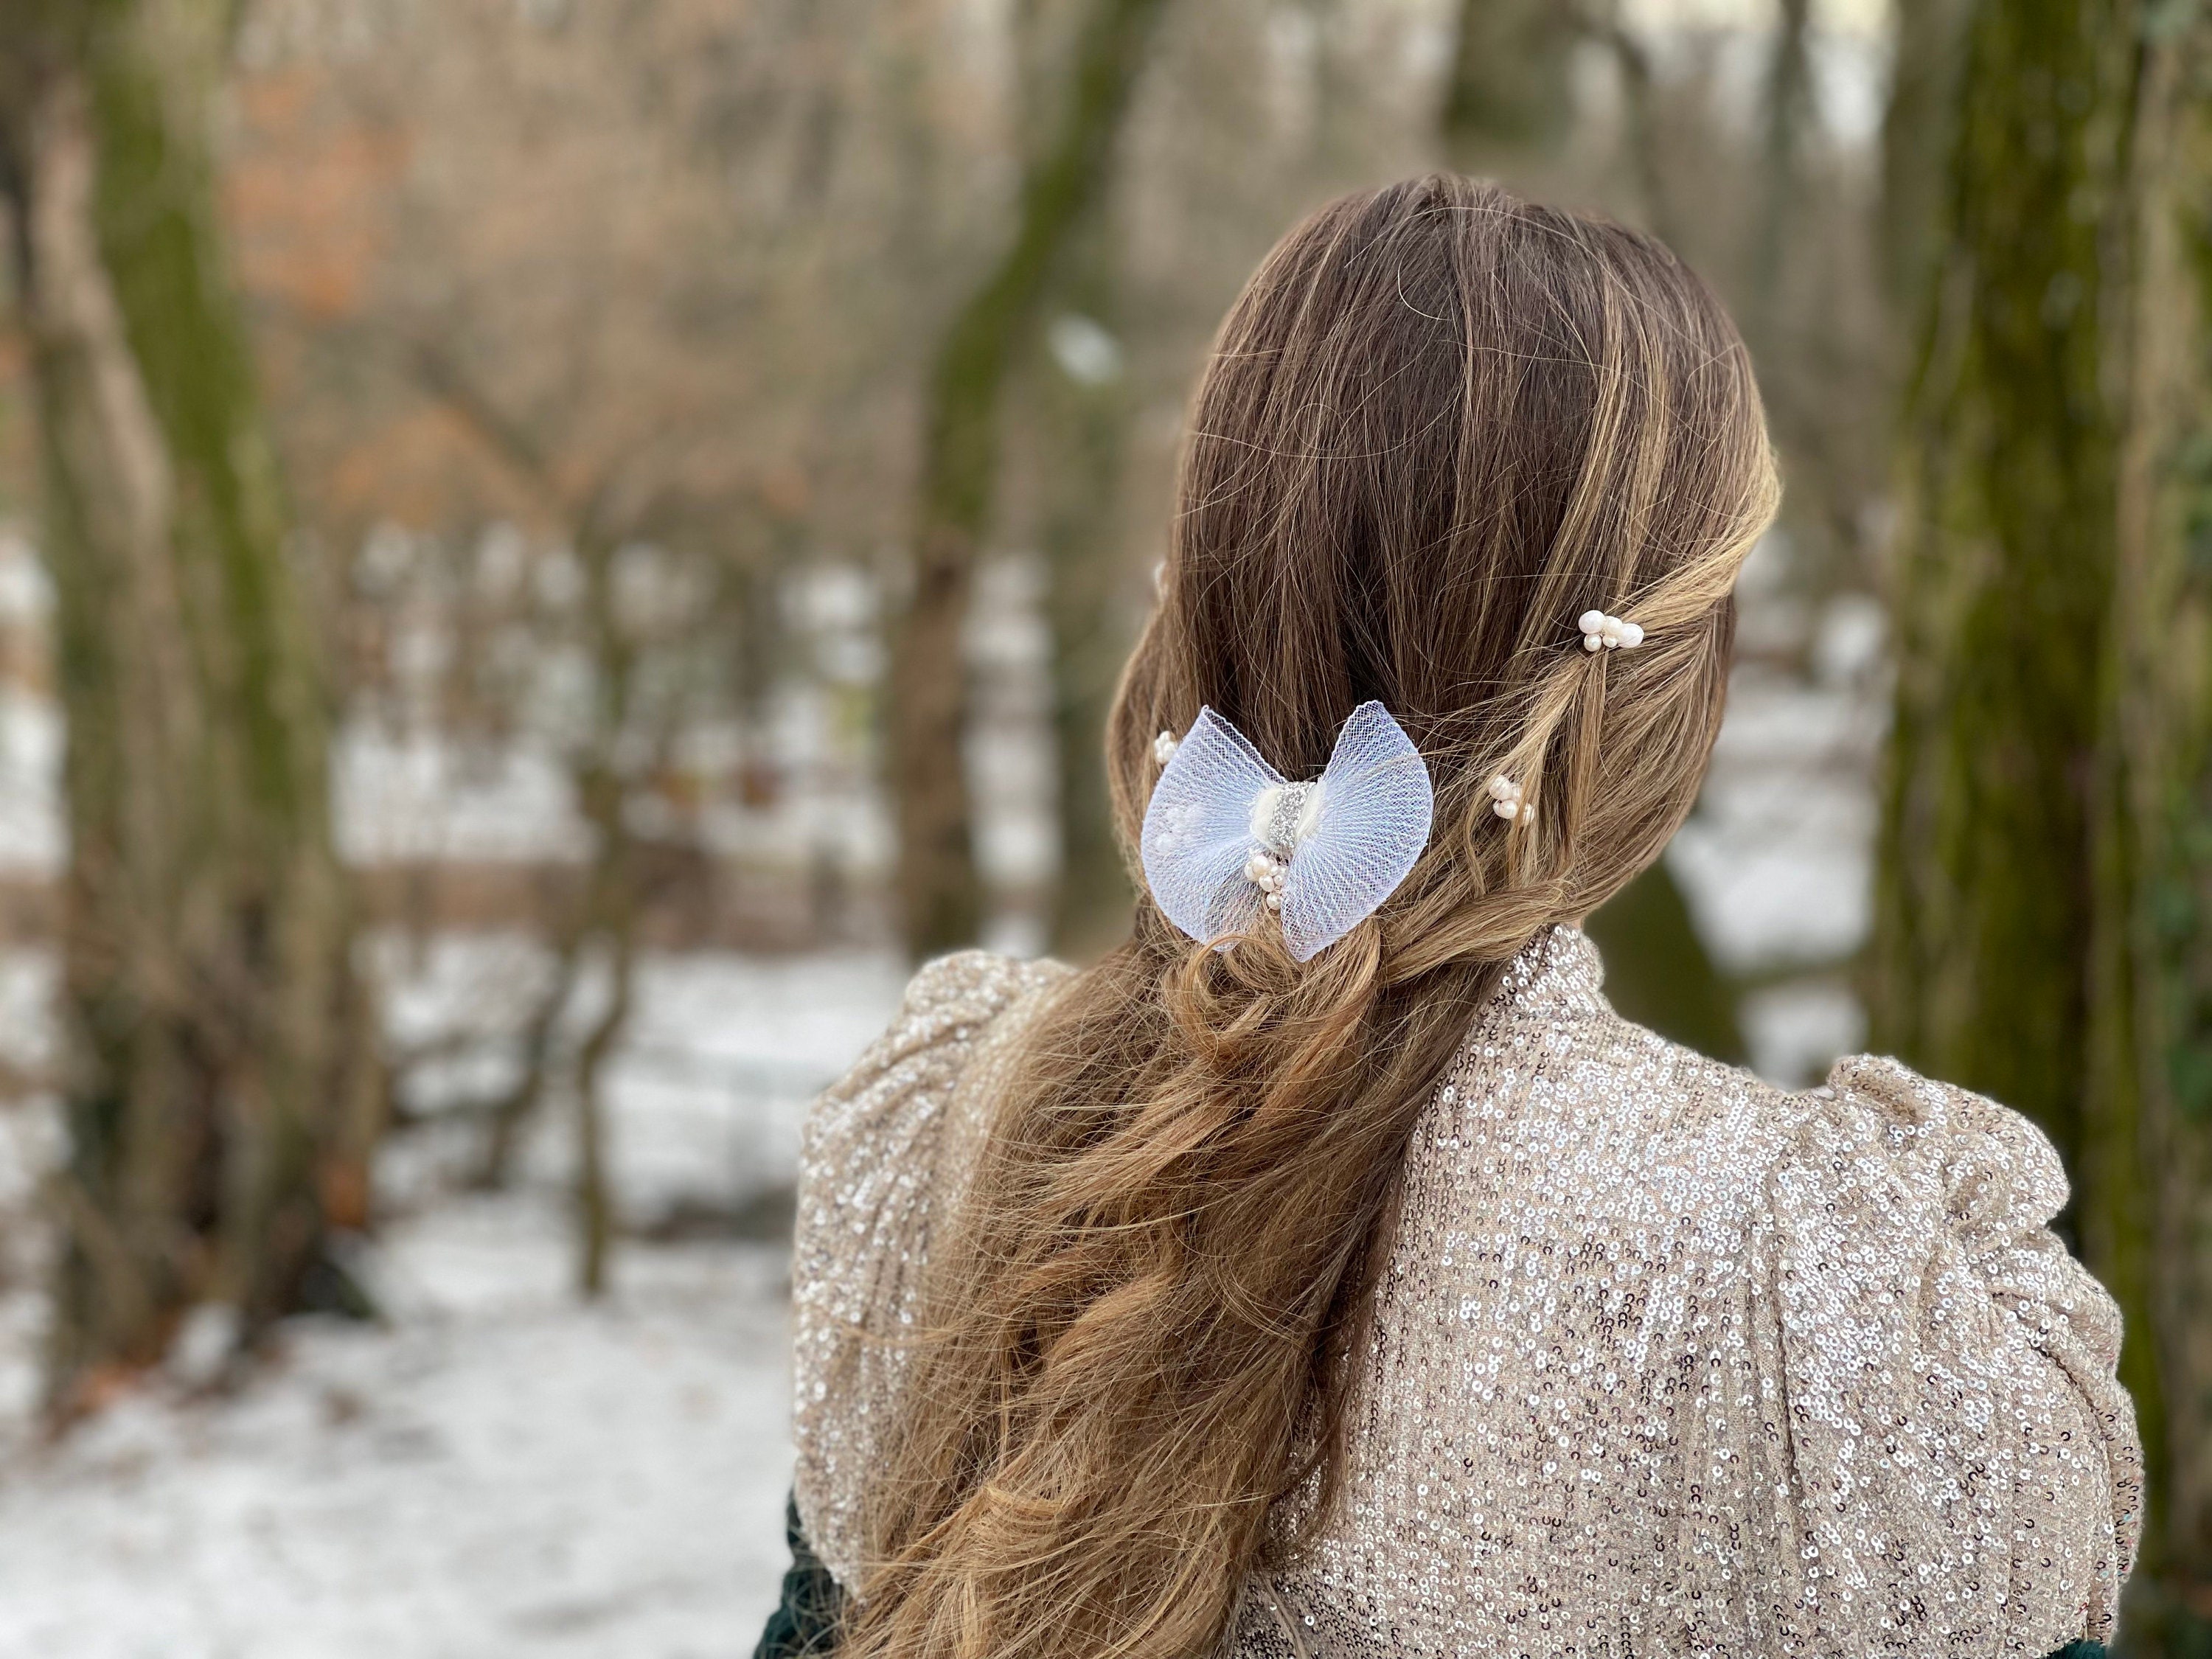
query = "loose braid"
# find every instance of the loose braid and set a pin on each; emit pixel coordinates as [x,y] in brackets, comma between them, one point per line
[1439,425]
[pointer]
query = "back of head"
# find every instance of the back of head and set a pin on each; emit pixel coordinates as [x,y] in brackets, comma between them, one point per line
[1440,425]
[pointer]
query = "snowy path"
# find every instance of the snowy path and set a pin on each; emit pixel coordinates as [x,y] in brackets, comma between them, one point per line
[496,1473]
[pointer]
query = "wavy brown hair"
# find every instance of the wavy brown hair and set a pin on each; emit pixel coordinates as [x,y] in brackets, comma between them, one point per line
[1439,425]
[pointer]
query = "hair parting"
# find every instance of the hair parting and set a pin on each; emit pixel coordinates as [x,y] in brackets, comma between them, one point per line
[1439,425]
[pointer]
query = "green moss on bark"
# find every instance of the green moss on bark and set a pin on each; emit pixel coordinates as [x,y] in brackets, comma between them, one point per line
[2005,570]
[218,1102]
[2045,879]
[939,891]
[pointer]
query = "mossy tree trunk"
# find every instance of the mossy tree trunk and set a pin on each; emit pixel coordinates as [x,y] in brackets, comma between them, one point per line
[2004,569]
[1929,38]
[1984,903]
[2045,886]
[2147,1157]
[218,1092]
[939,892]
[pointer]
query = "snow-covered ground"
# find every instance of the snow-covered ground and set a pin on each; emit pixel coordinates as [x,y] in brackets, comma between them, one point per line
[496,1468]
[498,1471]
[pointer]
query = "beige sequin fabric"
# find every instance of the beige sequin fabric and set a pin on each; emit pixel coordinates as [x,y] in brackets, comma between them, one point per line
[1666,1361]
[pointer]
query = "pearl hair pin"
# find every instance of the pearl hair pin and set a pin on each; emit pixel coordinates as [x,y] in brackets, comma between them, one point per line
[1505,800]
[1604,633]
[1267,872]
[1163,747]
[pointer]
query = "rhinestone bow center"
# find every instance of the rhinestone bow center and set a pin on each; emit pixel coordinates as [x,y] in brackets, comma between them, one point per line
[1284,814]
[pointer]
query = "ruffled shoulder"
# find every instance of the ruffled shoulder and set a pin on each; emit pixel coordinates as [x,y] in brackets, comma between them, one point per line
[1953,1439]
[880,1152]
[1994,1173]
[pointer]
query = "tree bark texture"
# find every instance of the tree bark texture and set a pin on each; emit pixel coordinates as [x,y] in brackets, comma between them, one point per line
[2044,887]
[1929,40]
[2147,1162]
[939,891]
[219,1094]
[2003,570]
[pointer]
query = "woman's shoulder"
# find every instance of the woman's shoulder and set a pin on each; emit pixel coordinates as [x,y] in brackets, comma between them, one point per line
[1873,1124]
[1925,1307]
[871,1141]
[949,997]
[1836,1316]
[1881,1145]
[949,1006]
[882,1150]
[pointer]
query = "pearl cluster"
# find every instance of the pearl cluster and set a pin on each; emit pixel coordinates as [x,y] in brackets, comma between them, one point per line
[1604,633]
[1163,747]
[1267,872]
[1505,799]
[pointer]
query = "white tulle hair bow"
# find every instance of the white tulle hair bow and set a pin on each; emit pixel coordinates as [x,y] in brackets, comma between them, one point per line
[1228,838]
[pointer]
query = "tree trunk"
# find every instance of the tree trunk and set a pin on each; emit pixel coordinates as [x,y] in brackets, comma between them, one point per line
[217,1094]
[594,1194]
[1642,131]
[2146,1167]
[511,1112]
[1929,38]
[941,894]
[1508,93]
[2004,571]
[2045,876]
[1788,119]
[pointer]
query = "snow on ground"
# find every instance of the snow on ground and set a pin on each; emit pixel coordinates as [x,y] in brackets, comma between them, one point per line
[496,1468]
[496,1471]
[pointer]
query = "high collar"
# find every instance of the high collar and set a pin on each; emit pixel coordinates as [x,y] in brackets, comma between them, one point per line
[1557,974]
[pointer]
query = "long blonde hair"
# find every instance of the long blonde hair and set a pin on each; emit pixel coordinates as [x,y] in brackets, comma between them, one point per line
[1440,424]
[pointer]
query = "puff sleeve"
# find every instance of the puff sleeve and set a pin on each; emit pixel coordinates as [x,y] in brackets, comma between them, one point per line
[1955,1465]
[875,1154]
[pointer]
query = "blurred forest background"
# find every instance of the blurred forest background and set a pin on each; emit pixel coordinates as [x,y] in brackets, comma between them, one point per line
[549,548]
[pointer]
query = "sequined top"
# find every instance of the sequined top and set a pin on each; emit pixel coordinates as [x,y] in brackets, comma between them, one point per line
[1666,1361]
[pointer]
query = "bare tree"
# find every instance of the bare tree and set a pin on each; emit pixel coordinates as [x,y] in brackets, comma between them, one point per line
[218,1100]
[941,894]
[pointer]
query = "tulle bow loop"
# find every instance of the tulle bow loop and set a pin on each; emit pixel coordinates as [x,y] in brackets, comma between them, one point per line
[1227,839]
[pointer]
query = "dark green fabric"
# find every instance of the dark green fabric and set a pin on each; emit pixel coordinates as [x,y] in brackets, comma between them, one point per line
[805,1625]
